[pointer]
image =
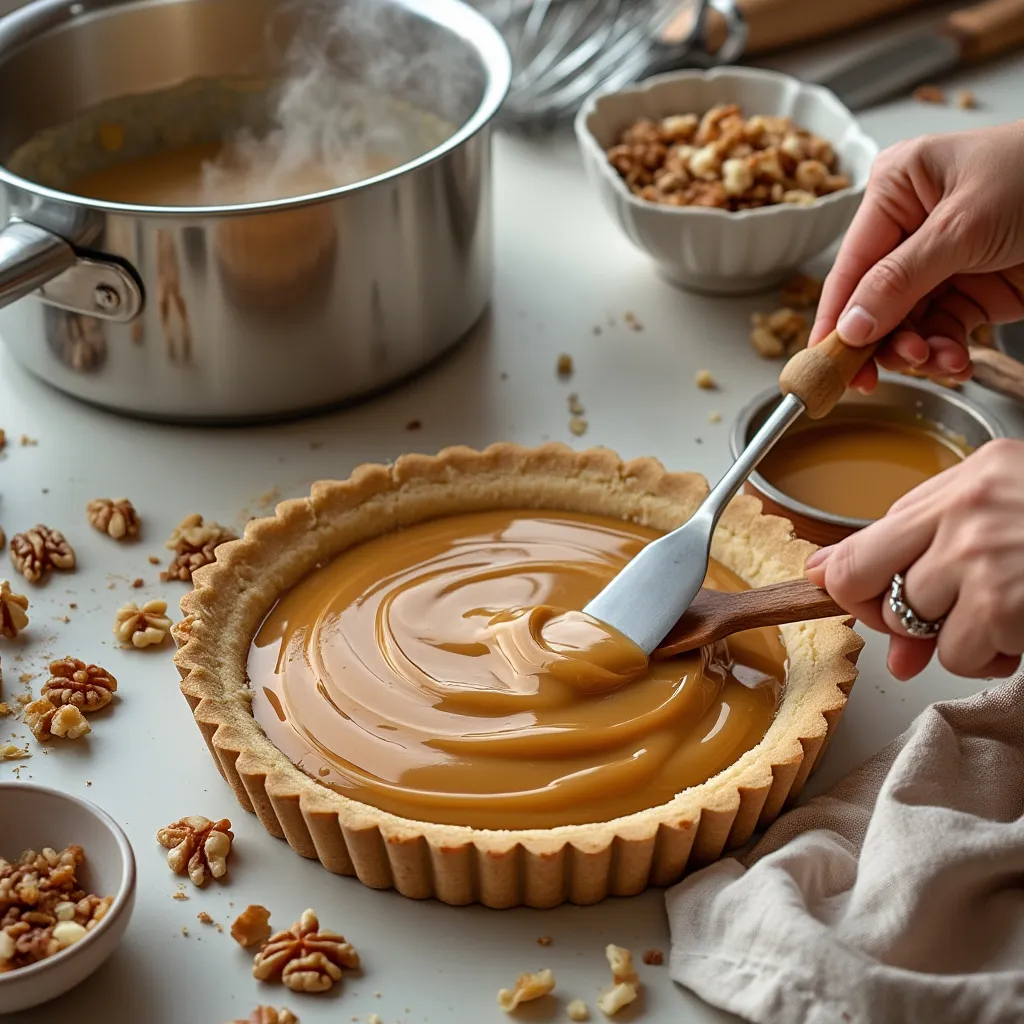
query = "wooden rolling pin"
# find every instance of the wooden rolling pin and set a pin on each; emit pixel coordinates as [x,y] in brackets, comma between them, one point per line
[716,614]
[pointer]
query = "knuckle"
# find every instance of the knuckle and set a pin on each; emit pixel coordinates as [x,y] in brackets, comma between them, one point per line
[841,573]
[891,277]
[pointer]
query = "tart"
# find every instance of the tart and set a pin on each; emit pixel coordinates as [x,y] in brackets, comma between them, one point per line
[459,863]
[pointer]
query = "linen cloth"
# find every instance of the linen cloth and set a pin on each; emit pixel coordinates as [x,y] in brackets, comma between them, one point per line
[896,896]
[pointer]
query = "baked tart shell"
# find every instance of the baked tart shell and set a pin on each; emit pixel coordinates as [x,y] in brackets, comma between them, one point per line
[582,864]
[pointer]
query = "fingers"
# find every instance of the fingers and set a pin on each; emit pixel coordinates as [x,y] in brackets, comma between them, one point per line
[908,656]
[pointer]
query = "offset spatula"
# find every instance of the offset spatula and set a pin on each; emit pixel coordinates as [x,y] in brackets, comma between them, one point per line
[649,596]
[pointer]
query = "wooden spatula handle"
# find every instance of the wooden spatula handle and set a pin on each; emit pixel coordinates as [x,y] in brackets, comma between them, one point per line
[716,614]
[818,376]
[997,371]
[773,24]
[988,29]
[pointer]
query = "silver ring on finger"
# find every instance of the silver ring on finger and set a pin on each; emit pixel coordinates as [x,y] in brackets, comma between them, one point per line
[911,622]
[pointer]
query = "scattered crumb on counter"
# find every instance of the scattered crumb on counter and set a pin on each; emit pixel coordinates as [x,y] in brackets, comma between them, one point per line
[564,367]
[714,417]
[26,677]
[577,1011]
[153,560]
[204,918]
[929,94]
[25,441]
[414,425]
[184,932]
[179,896]
[314,445]
[654,957]
[705,381]
[597,329]
[138,583]
[966,100]
[578,425]
[632,321]
[72,604]
[544,940]
[575,405]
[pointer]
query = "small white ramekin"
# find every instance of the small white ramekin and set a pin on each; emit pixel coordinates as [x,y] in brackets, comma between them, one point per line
[719,251]
[32,817]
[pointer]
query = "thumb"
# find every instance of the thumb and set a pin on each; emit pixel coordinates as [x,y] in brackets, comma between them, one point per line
[891,288]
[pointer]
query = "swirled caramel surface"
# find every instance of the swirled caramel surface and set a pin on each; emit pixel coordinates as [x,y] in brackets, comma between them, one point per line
[445,673]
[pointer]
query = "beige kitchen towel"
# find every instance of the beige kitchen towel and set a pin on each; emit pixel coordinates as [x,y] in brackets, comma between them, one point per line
[897,897]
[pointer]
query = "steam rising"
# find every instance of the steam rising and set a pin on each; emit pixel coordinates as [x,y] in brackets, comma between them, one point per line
[366,88]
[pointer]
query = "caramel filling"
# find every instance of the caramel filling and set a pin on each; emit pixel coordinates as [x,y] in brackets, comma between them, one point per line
[443,673]
[209,174]
[856,466]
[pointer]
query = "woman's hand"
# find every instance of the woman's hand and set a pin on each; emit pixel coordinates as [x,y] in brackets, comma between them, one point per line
[935,250]
[958,539]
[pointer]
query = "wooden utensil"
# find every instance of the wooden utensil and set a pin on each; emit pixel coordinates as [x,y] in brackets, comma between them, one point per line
[716,614]
[649,596]
[997,371]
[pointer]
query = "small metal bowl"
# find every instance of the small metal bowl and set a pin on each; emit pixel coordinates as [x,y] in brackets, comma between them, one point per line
[907,400]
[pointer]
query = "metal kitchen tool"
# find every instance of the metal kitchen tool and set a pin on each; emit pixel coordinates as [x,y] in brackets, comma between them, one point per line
[562,50]
[716,614]
[649,596]
[250,310]
[973,34]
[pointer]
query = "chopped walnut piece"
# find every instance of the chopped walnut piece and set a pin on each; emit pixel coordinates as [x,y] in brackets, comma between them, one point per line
[305,958]
[654,957]
[705,381]
[252,926]
[87,687]
[617,998]
[142,627]
[194,544]
[268,1015]
[966,100]
[544,940]
[564,366]
[5,709]
[765,343]
[801,291]
[13,611]
[42,908]
[198,846]
[10,752]
[626,982]
[577,1011]
[47,720]
[725,162]
[115,517]
[35,552]
[929,94]
[527,988]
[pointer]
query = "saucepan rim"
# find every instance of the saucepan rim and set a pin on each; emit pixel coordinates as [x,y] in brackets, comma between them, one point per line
[27,23]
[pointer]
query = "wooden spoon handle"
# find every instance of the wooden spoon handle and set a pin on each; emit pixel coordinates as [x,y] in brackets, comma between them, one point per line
[716,614]
[818,376]
[988,29]
[997,371]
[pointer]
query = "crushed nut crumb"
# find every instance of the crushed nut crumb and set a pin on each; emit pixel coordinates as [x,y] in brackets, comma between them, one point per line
[578,426]
[527,988]
[577,1011]
[27,442]
[654,957]
[116,517]
[966,100]
[13,611]
[179,896]
[142,627]
[197,846]
[626,985]
[153,560]
[714,417]
[544,940]
[575,405]
[564,366]
[414,425]
[705,381]
[252,926]
[929,94]
[204,918]
[305,957]
[138,583]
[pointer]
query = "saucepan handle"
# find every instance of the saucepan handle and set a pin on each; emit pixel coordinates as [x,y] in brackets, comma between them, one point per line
[34,261]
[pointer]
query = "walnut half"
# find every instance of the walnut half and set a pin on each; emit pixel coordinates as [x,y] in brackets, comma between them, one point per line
[305,957]
[35,552]
[194,544]
[142,627]
[197,846]
[13,614]
[87,687]
[116,517]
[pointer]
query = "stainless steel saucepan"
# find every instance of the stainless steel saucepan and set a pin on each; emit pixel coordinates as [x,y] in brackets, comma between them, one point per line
[251,310]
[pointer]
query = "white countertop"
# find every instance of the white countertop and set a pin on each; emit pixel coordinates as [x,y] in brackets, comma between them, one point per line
[562,269]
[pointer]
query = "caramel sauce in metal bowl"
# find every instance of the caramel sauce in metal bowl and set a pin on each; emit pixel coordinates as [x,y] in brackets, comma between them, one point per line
[857,465]
[444,673]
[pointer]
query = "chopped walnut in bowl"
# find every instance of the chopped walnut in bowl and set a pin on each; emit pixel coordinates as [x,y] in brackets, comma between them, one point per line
[764,174]
[63,908]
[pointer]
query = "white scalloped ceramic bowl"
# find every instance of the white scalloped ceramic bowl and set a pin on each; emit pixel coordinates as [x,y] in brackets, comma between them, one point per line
[32,817]
[719,251]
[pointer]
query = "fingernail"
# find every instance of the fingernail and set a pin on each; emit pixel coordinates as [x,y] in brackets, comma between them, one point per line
[952,359]
[818,558]
[856,326]
[907,349]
